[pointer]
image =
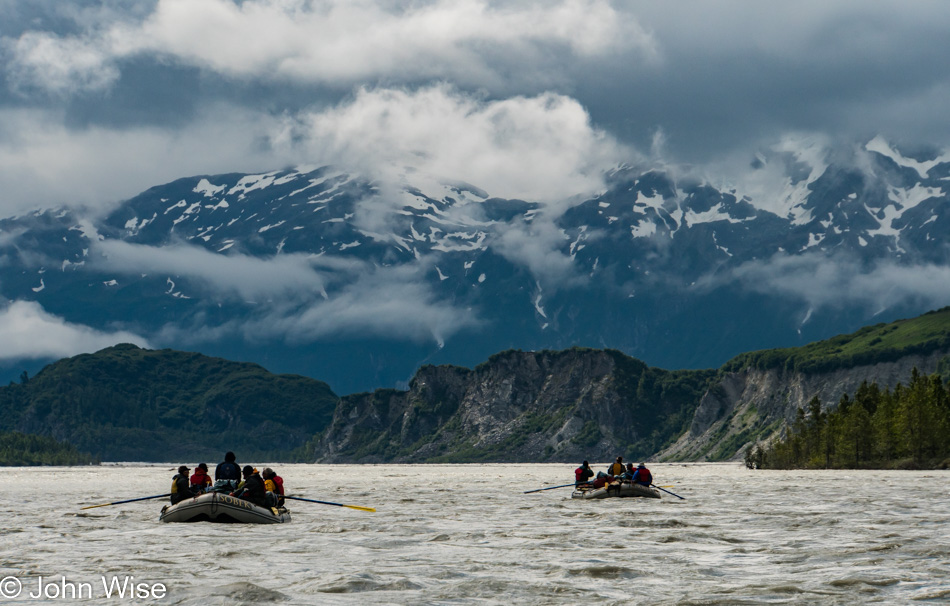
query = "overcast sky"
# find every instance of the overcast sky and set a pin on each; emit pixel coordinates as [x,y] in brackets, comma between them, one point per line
[101,99]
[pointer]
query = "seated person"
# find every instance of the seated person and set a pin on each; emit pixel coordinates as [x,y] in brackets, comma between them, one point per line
[181,489]
[200,480]
[253,489]
[274,485]
[642,475]
[582,474]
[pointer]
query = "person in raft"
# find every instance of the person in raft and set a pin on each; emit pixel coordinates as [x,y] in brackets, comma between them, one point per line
[583,473]
[253,489]
[200,480]
[227,469]
[180,487]
[642,475]
[616,468]
[274,487]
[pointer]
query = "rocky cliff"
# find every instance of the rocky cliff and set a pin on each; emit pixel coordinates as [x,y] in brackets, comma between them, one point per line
[742,407]
[518,406]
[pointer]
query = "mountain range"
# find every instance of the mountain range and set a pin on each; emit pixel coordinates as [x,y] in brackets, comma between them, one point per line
[325,273]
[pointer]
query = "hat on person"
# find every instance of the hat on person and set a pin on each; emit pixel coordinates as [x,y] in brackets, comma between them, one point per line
[183,469]
[203,466]
[641,465]
[248,470]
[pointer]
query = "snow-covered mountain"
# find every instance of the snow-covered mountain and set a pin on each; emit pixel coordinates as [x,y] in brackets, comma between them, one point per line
[317,271]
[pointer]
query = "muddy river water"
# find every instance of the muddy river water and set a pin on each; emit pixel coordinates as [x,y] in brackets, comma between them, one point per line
[467,534]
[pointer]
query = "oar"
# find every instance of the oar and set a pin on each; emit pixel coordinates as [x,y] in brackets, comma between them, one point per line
[549,488]
[664,490]
[158,496]
[328,503]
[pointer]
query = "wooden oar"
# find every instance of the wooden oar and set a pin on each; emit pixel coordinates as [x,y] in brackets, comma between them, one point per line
[664,490]
[158,496]
[328,503]
[549,488]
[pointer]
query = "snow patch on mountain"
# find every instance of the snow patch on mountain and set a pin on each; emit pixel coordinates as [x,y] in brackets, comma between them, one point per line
[880,146]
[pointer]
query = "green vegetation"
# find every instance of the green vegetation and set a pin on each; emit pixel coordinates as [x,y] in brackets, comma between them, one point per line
[870,345]
[130,404]
[18,449]
[908,427]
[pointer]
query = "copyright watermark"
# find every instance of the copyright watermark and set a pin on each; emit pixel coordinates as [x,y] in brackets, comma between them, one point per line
[61,588]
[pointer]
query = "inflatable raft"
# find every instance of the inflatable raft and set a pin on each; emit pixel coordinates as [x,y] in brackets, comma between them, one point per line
[222,508]
[616,490]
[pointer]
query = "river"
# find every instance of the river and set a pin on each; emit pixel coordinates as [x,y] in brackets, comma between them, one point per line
[466,534]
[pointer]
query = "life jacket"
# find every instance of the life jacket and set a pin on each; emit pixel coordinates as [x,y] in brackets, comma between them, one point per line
[180,490]
[200,478]
[615,469]
[228,470]
[582,473]
[643,476]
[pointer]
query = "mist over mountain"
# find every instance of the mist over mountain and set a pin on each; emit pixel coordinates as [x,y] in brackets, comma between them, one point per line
[355,281]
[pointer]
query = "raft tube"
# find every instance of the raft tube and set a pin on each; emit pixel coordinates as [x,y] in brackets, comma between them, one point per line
[222,508]
[616,490]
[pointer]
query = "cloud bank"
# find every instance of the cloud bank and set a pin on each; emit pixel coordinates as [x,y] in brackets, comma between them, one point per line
[27,331]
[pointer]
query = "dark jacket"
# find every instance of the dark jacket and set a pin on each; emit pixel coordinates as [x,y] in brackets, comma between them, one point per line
[253,490]
[180,488]
[227,470]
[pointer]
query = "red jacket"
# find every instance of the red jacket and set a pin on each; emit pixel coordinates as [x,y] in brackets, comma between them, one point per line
[201,478]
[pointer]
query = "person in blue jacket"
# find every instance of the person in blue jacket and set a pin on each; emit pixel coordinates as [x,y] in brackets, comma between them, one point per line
[642,475]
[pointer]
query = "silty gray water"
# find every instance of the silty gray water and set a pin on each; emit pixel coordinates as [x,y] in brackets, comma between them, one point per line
[463,534]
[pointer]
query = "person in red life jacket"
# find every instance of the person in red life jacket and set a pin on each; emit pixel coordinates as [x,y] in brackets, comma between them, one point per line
[180,487]
[583,473]
[274,485]
[200,480]
[603,479]
[642,475]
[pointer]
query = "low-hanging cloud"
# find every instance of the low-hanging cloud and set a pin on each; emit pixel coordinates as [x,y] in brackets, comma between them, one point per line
[383,302]
[27,331]
[840,281]
[243,276]
[542,148]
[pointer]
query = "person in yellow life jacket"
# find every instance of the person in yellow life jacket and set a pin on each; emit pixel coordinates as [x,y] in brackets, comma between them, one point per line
[274,485]
[181,487]
[616,468]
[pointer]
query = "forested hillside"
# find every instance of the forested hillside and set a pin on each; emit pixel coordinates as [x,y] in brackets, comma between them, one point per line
[27,449]
[131,404]
[908,427]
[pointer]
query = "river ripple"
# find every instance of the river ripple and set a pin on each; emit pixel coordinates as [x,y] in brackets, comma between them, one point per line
[464,534]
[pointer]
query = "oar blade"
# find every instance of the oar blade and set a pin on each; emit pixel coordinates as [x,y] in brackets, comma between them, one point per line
[94,506]
[360,508]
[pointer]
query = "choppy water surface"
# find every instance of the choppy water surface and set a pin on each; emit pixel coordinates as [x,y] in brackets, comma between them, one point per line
[461,534]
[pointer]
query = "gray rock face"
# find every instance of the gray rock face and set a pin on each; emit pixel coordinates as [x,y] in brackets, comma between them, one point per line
[758,405]
[518,406]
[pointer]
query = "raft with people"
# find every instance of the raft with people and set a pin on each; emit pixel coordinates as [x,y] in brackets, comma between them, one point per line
[223,508]
[615,489]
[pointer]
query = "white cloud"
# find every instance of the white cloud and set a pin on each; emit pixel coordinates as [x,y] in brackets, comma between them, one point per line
[44,163]
[247,277]
[536,148]
[839,281]
[28,331]
[341,41]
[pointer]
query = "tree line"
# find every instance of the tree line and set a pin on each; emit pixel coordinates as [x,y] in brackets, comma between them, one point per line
[908,426]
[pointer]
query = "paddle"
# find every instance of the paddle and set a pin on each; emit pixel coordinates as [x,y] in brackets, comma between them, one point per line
[158,496]
[328,503]
[549,488]
[664,490]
